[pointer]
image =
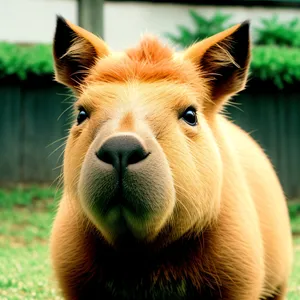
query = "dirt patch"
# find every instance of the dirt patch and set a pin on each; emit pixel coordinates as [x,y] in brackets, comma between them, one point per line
[37,205]
[18,226]
[20,242]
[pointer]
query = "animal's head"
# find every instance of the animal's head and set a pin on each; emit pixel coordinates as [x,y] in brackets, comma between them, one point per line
[141,158]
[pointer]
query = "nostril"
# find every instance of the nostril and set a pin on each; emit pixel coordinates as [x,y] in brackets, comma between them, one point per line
[136,157]
[121,151]
[106,156]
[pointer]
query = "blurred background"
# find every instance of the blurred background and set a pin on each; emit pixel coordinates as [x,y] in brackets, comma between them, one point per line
[35,111]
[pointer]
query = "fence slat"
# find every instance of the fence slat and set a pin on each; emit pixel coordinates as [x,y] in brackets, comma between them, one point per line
[10,133]
[273,119]
[42,107]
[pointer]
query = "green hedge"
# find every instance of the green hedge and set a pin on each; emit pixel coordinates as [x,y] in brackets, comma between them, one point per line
[275,32]
[278,64]
[22,60]
[271,31]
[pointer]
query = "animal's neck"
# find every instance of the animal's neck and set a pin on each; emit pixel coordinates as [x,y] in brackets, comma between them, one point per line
[168,262]
[170,273]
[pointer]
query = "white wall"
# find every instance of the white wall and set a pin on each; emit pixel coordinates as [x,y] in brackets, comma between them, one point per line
[34,20]
[124,22]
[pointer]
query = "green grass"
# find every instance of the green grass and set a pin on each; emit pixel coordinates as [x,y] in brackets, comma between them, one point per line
[26,215]
[25,273]
[294,284]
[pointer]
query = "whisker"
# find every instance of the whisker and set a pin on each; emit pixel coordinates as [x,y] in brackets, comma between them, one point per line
[67,109]
[62,145]
[65,137]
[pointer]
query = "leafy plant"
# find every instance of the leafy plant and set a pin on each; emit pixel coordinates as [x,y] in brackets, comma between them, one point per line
[21,60]
[274,32]
[271,31]
[276,55]
[204,27]
[278,64]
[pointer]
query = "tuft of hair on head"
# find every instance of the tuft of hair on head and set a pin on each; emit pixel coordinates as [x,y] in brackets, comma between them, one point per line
[75,51]
[150,50]
[223,60]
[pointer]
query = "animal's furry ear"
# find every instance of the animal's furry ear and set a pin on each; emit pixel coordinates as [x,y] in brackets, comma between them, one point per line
[75,50]
[224,59]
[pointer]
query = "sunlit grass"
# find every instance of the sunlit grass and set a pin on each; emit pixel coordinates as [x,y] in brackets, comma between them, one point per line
[294,284]
[25,273]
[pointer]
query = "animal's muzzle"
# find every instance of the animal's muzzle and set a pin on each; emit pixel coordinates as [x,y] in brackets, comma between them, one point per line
[121,151]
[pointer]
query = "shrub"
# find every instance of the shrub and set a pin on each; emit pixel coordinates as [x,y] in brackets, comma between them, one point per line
[204,27]
[281,65]
[274,32]
[273,59]
[24,60]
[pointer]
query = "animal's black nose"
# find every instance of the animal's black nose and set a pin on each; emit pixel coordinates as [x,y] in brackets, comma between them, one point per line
[121,151]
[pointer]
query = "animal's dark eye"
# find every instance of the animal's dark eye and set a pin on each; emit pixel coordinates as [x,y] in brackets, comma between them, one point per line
[190,116]
[82,115]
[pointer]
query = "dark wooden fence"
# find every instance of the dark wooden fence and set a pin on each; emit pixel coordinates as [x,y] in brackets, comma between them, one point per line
[273,119]
[30,122]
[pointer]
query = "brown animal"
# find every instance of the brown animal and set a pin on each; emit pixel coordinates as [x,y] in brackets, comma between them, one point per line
[164,198]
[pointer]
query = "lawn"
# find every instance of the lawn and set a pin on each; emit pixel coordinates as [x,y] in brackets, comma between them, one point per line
[26,215]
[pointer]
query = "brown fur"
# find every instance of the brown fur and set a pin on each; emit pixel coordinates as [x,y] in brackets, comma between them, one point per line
[217,225]
[138,64]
